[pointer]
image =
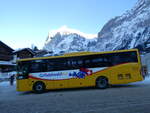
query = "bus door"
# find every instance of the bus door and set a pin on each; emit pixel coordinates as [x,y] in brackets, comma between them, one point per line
[22,76]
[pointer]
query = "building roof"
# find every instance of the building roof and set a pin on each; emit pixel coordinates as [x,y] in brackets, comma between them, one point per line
[23,49]
[6,46]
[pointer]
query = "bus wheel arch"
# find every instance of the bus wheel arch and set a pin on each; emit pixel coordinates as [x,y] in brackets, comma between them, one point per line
[102,82]
[39,87]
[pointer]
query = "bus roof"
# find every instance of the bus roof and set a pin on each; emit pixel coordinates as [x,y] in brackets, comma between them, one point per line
[75,54]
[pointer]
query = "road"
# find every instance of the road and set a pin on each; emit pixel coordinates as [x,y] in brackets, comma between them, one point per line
[132,98]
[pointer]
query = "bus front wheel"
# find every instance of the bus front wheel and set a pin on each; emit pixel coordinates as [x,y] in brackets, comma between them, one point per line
[39,87]
[102,83]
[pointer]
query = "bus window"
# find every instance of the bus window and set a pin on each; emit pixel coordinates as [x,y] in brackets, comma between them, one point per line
[72,64]
[80,62]
[54,65]
[133,56]
[124,57]
[35,67]
[38,66]
[97,60]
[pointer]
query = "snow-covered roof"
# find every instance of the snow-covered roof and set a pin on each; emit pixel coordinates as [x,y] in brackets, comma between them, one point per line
[6,63]
[16,51]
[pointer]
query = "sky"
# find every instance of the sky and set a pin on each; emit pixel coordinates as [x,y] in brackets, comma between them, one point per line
[27,22]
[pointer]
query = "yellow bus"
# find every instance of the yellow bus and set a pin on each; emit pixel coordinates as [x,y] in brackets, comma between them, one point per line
[79,69]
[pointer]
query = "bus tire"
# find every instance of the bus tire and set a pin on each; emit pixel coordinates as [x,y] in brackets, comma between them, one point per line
[39,87]
[102,83]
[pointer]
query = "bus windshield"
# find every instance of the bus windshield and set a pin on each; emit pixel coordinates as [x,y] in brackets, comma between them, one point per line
[23,70]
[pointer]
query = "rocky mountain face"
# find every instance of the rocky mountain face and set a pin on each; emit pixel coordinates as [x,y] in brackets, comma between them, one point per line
[65,40]
[130,30]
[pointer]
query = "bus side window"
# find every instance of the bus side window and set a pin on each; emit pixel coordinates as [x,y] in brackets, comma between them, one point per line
[80,62]
[124,57]
[35,67]
[54,64]
[68,63]
[44,67]
[87,63]
[115,59]
[98,61]
[50,65]
[133,56]
[72,64]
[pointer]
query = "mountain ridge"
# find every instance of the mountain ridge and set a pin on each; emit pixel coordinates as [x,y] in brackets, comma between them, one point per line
[130,30]
[68,40]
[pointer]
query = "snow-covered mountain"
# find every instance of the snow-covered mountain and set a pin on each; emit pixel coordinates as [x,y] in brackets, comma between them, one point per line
[68,40]
[130,30]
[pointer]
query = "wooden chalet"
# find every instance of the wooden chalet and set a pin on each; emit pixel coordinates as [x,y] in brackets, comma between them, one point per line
[24,53]
[5,58]
[5,52]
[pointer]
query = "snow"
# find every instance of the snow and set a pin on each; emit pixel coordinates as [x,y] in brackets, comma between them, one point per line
[133,43]
[6,83]
[63,45]
[7,74]
[6,89]
[146,81]
[68,43]
[64,30]
[18,50]
[148,45]
[6,63]
[21,49]
[121,33]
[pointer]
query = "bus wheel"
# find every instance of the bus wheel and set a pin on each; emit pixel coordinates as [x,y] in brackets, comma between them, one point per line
[39,87]
[102,83]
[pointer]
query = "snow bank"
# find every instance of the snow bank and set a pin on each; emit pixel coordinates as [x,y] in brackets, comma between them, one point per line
[5,83]
[146,81]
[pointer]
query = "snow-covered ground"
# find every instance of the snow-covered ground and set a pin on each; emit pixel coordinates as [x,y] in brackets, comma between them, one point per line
[146,81]
[6,83]
[4,76]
